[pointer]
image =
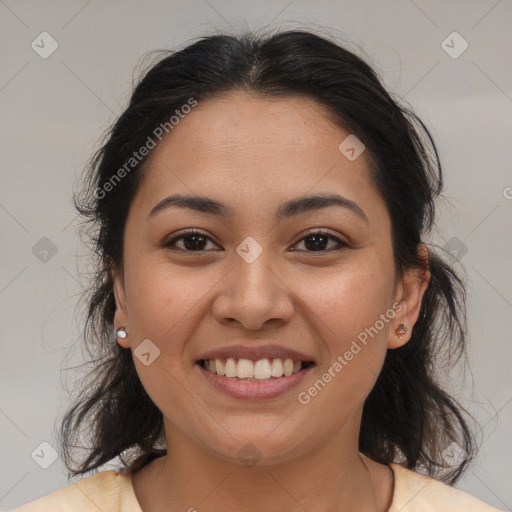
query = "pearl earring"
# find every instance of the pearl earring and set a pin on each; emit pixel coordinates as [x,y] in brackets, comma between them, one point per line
[121,333]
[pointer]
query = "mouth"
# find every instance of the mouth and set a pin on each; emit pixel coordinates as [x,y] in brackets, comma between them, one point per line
[247,379]
[254,372]
[248,370]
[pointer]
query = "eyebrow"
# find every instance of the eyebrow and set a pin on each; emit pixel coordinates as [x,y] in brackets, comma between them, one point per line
[287,209]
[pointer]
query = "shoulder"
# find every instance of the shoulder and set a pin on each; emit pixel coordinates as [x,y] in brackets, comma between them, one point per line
[107,491]
[415,492]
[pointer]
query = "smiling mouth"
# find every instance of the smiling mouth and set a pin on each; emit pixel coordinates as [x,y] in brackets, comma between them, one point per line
[247,370]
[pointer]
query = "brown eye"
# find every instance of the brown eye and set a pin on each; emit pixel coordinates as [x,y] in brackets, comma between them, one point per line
[192,241]
[319,240]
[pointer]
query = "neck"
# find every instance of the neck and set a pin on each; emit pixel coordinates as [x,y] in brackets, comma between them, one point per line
[334,476]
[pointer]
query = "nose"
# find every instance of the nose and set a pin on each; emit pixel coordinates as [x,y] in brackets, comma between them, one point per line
[254,294]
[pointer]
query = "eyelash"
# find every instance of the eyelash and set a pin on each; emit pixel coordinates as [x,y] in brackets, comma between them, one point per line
[169,245]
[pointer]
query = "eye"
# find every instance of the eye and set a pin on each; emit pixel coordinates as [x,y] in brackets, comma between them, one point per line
[318,240]
[193,241]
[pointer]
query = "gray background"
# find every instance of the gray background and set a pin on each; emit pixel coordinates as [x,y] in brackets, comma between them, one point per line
[53,111]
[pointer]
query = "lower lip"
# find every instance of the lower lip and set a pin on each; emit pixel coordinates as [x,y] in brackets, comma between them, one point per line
[254,390]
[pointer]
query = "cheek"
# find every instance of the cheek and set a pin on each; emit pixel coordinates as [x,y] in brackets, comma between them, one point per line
[351,313]
[167,304]
[163,307]
[164,297]
[347,300]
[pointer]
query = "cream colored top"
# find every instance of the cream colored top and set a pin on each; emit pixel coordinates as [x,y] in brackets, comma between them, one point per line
[110,491]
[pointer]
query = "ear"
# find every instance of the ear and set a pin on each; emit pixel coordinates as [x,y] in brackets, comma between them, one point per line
[409,294]
[121,314]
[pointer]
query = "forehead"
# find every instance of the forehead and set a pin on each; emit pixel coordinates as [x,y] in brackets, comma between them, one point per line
[246,145]
[236,124]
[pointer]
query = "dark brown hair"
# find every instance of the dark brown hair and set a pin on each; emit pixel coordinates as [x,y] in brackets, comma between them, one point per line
[407,417]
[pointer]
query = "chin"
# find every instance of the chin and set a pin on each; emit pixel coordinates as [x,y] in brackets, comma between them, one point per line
[255,448]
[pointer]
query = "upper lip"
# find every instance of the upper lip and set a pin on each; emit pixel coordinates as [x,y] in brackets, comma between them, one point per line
[255,353]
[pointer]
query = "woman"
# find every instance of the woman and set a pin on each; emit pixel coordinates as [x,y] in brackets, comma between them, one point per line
[259,212]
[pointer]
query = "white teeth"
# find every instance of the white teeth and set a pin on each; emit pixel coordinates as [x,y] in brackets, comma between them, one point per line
[277,368]
[245,369]
[288,367]
[219,366]
[230,367]
[262,370]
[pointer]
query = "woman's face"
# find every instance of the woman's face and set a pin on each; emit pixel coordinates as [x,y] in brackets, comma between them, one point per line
[252,286]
